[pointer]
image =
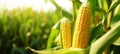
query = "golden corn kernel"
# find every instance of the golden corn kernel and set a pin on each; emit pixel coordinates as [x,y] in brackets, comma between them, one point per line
[66,33]
[81,31]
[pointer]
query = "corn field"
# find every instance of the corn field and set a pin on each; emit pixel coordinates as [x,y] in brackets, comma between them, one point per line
[91,27]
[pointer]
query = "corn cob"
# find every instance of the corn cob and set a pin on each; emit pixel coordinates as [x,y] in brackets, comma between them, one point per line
[66,33]
[81,31]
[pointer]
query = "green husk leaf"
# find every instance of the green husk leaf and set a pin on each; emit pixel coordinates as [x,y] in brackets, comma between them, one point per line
[62,51]
[54,32]
[96,33]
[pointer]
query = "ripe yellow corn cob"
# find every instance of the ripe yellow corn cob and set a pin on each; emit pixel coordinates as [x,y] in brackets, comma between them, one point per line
[66,33]
[81,31]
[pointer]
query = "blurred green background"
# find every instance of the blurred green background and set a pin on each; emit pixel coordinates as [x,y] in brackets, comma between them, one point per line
[22,28]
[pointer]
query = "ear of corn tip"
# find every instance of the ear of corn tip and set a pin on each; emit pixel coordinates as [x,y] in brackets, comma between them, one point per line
[66,33]
[65,20]
[85,4]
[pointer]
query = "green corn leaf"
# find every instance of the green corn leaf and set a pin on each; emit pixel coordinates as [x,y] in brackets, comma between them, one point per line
[107,39]
[61,11]
[54,32]
[62,51]
[55,4]
[96,33]
[115,20]
[109,2]
[116,16]
[101,3]
[93,6]
[67,14]
[117,42]
[113,5]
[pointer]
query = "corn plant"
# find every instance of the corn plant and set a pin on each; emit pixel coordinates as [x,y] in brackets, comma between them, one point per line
[95,29]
